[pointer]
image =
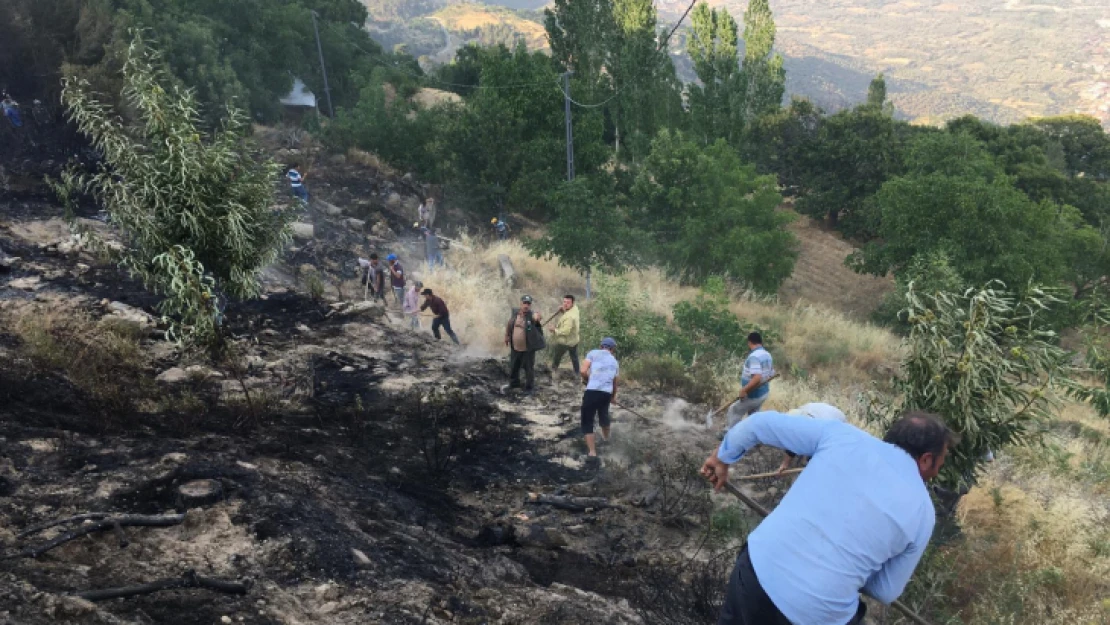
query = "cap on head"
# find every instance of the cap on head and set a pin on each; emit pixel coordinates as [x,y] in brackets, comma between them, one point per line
[527,299]
[391,257]
[426,292]
[493,221]
[608,343]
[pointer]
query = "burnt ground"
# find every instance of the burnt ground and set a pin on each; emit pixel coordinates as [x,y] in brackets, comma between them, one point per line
[369,474]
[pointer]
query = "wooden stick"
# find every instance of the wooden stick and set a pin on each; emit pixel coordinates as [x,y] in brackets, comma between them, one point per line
[733,401]
[136,520]
[189,580]
[35,529]
[763,512]
[574,504]
[760,476]
[629,410]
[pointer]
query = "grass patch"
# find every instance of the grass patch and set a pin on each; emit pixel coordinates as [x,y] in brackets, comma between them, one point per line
[103,361]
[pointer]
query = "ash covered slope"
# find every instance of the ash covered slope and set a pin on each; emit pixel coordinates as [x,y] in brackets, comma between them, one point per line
[365,472]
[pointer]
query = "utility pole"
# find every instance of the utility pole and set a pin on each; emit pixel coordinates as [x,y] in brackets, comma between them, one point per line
[323,69]
[570,154]
[570,129]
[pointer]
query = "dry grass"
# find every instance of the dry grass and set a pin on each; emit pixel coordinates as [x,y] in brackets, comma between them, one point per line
[370,160]
[819,344]
[103,361]
[467,16]
[821,276]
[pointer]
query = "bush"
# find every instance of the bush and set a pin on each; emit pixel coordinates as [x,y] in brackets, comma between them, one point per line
[985,361]
[195,208]
[669,374]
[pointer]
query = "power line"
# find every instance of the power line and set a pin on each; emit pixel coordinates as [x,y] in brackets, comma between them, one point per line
[374,57]
[586,106]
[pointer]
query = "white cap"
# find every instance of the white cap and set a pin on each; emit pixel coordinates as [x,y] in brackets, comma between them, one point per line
[818,410]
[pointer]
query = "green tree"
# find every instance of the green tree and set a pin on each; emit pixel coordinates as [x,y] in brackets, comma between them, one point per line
[985,362]
[1086,145]
[712,47]
[762,73]
[876,95]
[509,145]
[709,213]
[649,94]
[786,143]
[956,198]
[581,34]
[195,208]
[927,274]
[589,230]
[855,152]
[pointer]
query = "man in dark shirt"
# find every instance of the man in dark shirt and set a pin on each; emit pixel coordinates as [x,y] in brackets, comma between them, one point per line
[442,315]
[524,337]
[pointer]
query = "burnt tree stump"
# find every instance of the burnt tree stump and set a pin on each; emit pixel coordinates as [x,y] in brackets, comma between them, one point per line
[199,493]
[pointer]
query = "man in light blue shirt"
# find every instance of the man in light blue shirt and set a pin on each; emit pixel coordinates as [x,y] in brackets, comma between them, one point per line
[754,384]
[857,519]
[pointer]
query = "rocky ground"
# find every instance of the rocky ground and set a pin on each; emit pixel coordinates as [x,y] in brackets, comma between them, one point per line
[342,467]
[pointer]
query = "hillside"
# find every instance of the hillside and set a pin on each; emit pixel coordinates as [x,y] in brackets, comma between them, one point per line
[436,29]
[820,275]
[1003,60]
[370,474]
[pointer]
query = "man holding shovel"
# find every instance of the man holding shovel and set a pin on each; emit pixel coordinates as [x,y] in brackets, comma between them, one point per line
[856,520]
[758,368]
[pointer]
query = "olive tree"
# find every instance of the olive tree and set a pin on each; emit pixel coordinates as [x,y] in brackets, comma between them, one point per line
[194,208]
[986,361]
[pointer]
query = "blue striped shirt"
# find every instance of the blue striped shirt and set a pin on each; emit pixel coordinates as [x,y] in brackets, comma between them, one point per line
[858,517]
[294,177]
[758,362]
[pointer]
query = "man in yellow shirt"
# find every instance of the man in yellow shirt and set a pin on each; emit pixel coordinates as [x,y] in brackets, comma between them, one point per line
[564,336]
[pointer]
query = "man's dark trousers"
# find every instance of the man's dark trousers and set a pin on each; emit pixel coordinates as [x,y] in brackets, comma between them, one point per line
[747,604]
[526,359]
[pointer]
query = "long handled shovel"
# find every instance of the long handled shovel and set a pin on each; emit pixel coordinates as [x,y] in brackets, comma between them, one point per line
[761,511]
[629,410]
[713,413]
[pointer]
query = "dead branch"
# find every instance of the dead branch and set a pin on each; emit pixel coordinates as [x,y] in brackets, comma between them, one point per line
[189,580]
[35,529]
[113,523]
[574,504]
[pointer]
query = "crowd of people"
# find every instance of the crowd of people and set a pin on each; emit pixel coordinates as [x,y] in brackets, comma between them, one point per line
[856,520]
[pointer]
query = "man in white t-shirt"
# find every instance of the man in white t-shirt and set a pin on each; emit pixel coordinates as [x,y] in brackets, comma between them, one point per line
[600,373]
[815,410]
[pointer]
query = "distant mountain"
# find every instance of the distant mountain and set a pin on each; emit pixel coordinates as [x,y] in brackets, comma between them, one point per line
[1003,60]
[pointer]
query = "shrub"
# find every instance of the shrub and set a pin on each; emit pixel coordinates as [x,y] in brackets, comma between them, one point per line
[983,360]
[195,208]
